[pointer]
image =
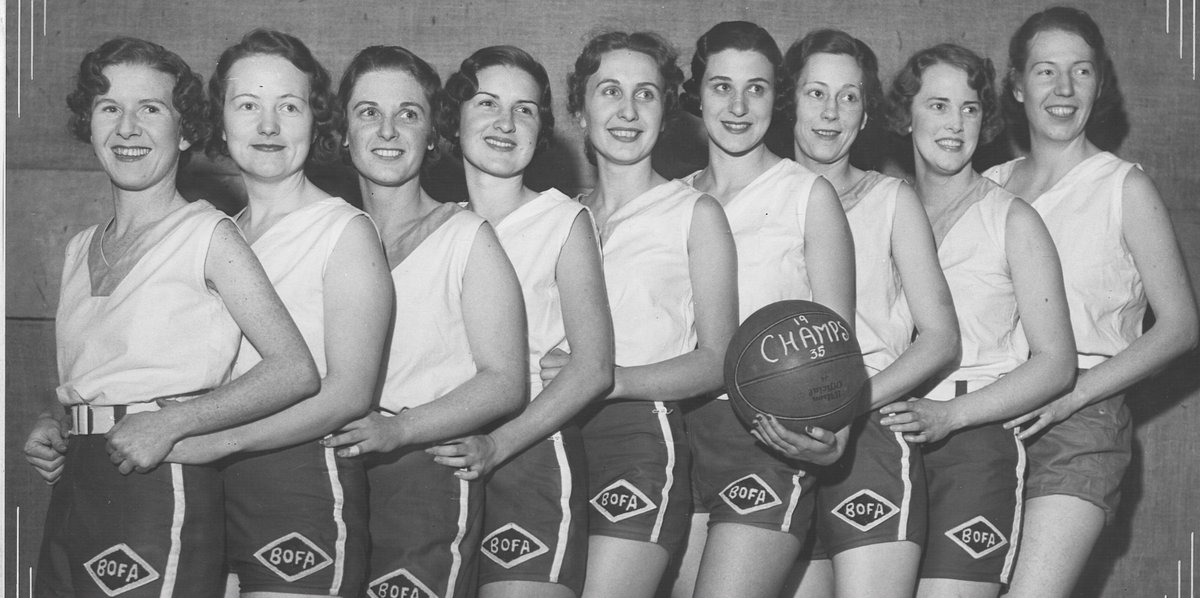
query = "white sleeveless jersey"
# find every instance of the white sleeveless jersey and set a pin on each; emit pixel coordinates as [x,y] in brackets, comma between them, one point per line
[975,262]
[161,332]
[533,236]
[429,354]
[647,273]
[294,253]
[767,220]
[1083,212]
[882,322]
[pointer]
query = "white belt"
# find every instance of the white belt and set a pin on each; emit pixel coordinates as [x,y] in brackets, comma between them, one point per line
[99,419]
[948,389]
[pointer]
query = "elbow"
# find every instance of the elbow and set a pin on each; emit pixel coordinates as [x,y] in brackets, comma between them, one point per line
[1061,377]
[513,394]
[307,379]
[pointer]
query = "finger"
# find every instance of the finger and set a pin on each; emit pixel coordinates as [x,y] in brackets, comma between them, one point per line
[915,438]
[909,428]
[1018,421]
[343,439]
[456,462]
[125,467]
[820,434]
[467,474]
[1041,424]
[40,451]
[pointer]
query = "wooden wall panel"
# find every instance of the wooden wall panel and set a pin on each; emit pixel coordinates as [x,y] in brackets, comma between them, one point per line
[55,190]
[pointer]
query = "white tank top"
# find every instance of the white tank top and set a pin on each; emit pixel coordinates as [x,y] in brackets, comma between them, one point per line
[533,236]
[1104,289]
[767,220]
[161,331]
[429,354]
[646,270]
[882,321]
[975,263]
[294,252]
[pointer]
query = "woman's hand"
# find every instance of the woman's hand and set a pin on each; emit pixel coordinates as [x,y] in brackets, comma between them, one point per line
[1047,415]
[816,445]
[473,456]
[920,420]
[46,447]
[372,433]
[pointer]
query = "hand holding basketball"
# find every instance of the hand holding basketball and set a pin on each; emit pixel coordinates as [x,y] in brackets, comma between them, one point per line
[814,445]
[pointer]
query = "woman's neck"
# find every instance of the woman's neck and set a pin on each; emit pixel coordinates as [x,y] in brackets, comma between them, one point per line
[840,173]
[135,210]
[1050,160]
[494,197]
[726,174]
[937,190]
[395,208]
[618,184]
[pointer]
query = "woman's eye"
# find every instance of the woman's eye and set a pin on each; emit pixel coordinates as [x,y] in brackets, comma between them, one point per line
[721,87]
[526,110]
[757,89]
[645,94]
[409,115]
[971,110]
[246,106]
[850,98]
[610,91]
[368,113]
[290,108]
[153,109]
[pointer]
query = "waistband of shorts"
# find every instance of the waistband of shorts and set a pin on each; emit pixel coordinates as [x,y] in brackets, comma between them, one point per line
[99,419]
[948,389]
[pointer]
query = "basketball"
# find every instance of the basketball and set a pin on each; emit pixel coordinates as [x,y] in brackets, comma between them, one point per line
[799,361]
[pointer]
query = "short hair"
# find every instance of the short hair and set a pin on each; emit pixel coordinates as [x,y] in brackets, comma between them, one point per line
[980,78]
[187,96]
[735,35]
[834,41]
[388,58]
[1108,121]
[464,84]
[268,42]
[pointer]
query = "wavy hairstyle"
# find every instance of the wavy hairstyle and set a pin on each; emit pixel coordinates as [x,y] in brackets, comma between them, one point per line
[1108,124]
[321,100]
[464,84]
[187,96]
[980,77]
[389,58]
[735,35]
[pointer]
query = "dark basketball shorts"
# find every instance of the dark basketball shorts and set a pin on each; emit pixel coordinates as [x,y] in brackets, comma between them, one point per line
[1084,456]
[975,478]
[136,536]
[535,516]
[297,521]
[637,464]
[425,527]
[735,479]
[874,494]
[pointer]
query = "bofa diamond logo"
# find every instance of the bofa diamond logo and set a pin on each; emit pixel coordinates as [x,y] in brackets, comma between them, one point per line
[119,569]
[399,584]
[293,556]
[978,537]
[511,545]
[749,494]
[622,500]
[865,509]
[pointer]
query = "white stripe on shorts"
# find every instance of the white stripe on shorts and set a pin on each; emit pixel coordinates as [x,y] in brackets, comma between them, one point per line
[464,496]
[1015,534]
[660,409]
[171,571]
[792,502]
[564,505]
[906,477]
[339,501]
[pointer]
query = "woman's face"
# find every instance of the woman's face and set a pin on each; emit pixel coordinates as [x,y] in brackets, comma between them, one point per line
[623,107]
[135,128]
[268,121]
[946,118]
[389,126]
[829,107]
[498,126]
[737,97]
[1059,85]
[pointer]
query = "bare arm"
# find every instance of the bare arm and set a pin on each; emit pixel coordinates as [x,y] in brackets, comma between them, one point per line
[587,375]
[938,344]
[712,263]
[1050,369]
[1148,234]
[494,316]
[357,307]
[285,375]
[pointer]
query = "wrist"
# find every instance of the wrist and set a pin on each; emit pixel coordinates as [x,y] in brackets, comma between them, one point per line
[618,387]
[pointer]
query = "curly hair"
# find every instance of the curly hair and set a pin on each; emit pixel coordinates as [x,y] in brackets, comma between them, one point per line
[321,100]
[980,78]
[388,58]
[187,96]
[1108,123]
[834,41]
[464,84]
[735,35]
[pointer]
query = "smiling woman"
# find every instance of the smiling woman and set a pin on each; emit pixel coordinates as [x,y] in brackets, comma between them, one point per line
[148,327]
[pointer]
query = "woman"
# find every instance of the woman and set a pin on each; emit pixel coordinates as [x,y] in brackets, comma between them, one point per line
[900,284]
[1119,251]
[457,360]
[272,101]
[498,112]
[1017,351]
[793,243]
[670,267]
[150,311]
